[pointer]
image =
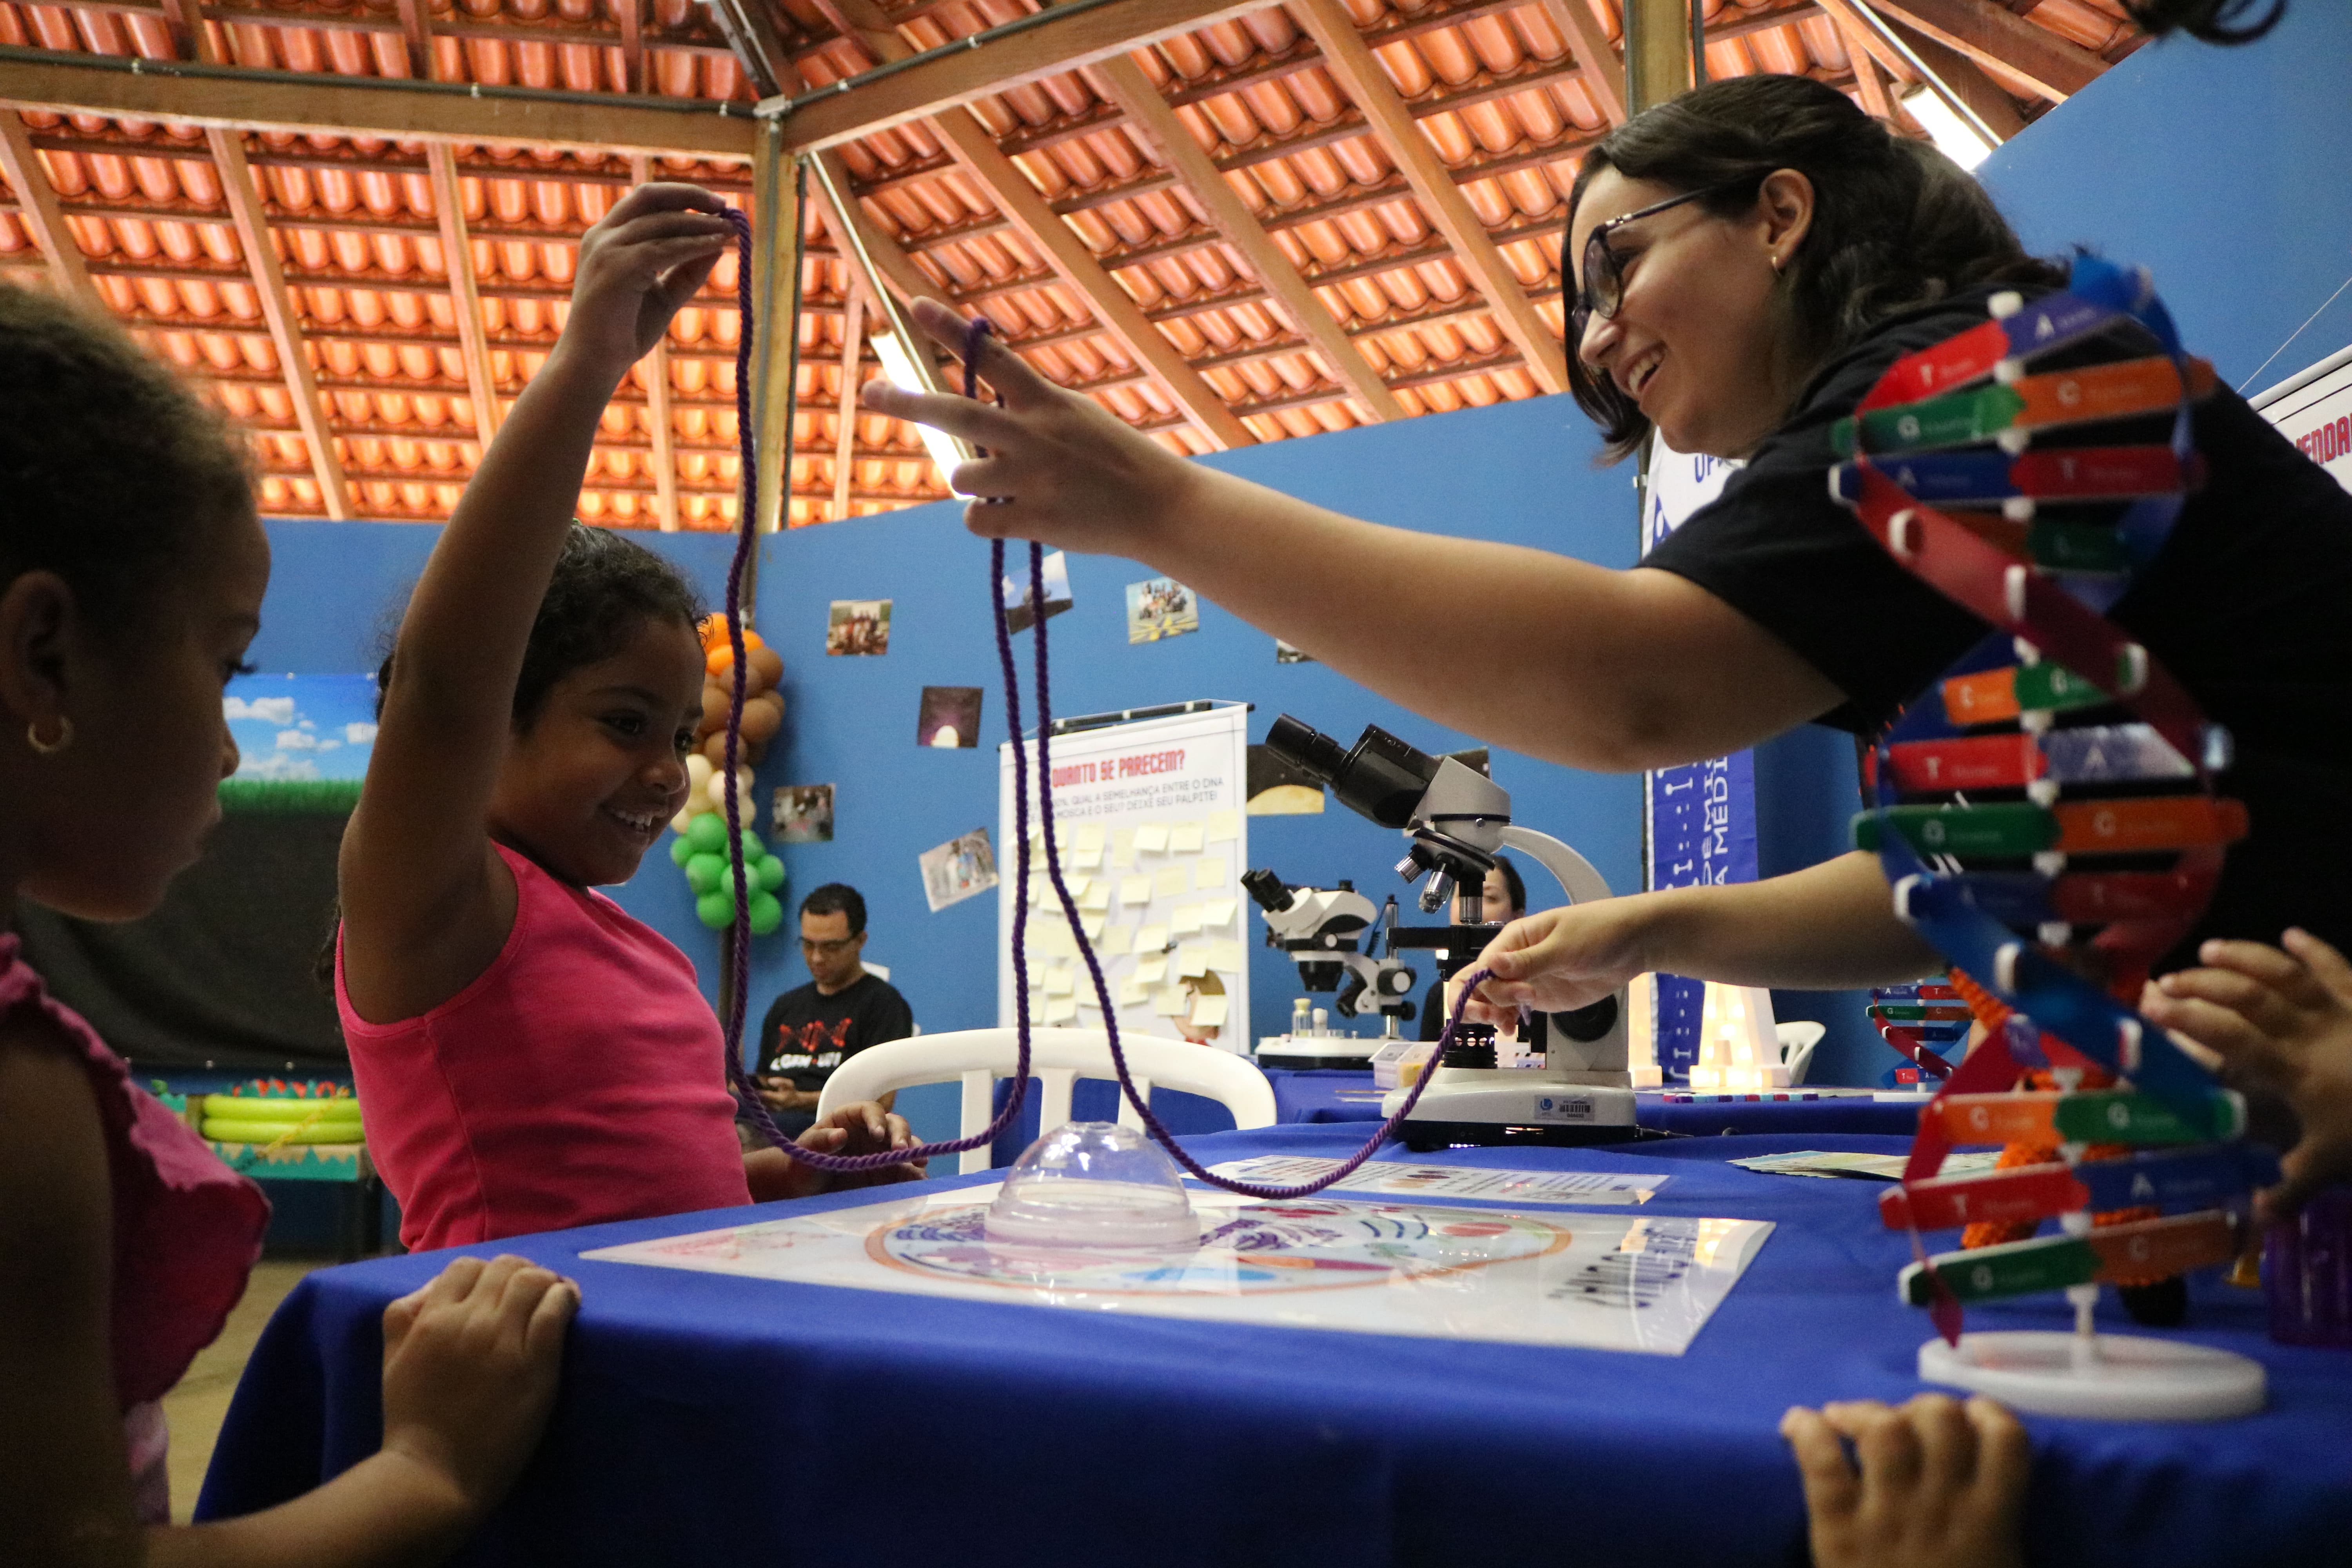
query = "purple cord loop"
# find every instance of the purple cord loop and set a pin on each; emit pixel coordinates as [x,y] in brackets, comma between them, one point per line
[741,1080]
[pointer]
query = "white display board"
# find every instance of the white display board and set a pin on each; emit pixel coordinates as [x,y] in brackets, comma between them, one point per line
[2313,410]
[1154,841]
[1605,1282]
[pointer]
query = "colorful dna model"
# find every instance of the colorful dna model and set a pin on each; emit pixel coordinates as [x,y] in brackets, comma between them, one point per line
[1920,1022]
[2047,819]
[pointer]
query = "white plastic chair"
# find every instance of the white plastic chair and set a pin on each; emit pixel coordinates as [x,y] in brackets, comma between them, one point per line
[1797,1042]
[1057,1060]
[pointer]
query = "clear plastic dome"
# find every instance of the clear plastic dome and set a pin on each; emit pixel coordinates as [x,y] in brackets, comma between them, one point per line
[1094,1184]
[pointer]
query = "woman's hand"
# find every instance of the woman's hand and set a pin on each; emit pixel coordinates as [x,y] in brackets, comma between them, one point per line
[638,264]
[470,1363]
[864,1128]
[1059,468]
[1558,960]
[2283,1021]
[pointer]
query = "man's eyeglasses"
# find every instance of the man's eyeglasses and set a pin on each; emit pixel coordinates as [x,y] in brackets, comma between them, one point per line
[1603,289]
[839,944]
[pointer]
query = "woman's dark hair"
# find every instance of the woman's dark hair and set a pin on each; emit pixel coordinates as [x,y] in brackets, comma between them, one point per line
[2215,21]
[605,587]
[1512,880]
[111,471]
[1897,225]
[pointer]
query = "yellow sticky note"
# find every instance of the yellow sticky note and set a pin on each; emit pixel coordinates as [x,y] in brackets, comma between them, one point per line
[1216,913]
[1088,1000]
[1192,961]
[1152,971]
[1097,896]
[1061,980]
[1184,919]
[1092,925]
[1224,826]
[1061,1009]
[1151,939]
[1122,848]
[1116,940]
[1056,942]
[1134,890]
[1225,953]
[1185,838]
[1151,838]
[1173,879]
[1041,892]
[1209,1012]
[1133,992]
[1169,1002]
[1210,872]
[1089,836]
[1084,859]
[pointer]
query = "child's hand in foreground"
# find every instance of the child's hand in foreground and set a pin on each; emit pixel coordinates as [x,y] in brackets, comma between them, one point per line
[469,1372]
[863,1128]
[2282,1021]
[1930,1484]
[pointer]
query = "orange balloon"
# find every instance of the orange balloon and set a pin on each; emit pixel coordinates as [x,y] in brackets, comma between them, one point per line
[714,748]
[713,629]
[719,660]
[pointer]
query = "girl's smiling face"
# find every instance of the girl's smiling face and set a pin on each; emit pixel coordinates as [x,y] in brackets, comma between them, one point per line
[589,784]
[1700,340]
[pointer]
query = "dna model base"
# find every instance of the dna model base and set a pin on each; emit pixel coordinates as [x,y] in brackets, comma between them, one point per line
[1307,1053]
[1492,1105]
[2099,1377]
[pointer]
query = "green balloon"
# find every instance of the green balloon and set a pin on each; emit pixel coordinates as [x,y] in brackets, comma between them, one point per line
[681,849]
[708,833]
[716,911]
[767,913]
[771,875]
[704,873]
[754,850]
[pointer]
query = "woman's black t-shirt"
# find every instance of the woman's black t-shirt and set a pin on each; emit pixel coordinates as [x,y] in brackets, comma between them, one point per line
[2249,604]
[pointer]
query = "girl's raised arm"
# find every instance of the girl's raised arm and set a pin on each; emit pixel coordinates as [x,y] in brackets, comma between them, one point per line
[427,902]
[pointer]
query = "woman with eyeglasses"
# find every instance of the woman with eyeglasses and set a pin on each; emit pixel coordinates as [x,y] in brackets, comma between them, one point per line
[1743,262]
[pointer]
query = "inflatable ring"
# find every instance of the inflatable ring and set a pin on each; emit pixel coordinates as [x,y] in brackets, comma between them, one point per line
[254,1108]
[219,1130]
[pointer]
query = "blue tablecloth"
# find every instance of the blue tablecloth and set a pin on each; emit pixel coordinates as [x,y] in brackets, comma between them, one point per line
[712,1419]
[1336,1096]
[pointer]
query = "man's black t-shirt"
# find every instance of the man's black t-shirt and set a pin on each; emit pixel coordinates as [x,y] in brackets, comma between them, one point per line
[2249,604]
[805,1035]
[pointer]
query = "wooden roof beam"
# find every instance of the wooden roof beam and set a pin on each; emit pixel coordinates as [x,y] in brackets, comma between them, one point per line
[278,310]
[1969,83]
[1125,84]
[458,262]
[227,98]
[1999,39]
[42,213]
[1360,77]
[1604,72]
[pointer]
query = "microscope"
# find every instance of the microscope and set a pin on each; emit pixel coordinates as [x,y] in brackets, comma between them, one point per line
[1455,820]
[1322,929]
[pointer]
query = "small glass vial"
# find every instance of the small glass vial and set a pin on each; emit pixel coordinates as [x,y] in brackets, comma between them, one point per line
[1298,1019]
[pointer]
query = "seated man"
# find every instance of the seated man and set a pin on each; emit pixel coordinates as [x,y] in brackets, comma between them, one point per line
[813,1029]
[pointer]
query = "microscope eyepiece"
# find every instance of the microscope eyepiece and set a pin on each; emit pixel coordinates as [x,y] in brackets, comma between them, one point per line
[1301,745]
[1382,778]
[1268,891]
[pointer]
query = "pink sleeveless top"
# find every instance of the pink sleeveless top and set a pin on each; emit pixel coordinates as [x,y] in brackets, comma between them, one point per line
[187,1231]
[578,1079]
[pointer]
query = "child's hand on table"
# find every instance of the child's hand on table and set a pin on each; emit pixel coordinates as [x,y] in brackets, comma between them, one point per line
[1930,1484]
[864,1128]
[2282,1021]
[469,1372]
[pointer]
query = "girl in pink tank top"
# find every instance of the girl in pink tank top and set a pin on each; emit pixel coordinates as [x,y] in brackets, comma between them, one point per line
[131,576]
[528,1056]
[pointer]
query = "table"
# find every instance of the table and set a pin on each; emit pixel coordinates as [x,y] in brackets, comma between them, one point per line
[1334,1095]
[712,1419]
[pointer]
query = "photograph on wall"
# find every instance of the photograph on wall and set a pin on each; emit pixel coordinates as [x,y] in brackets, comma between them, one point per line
[1019,613]
[1276,788]
[858,626]
[803,813]
[949,717]
[1285,654]
[957,870]
[1161,607]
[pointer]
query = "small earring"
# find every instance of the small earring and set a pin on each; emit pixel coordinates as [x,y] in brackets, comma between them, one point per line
[1776,264]
[49,748]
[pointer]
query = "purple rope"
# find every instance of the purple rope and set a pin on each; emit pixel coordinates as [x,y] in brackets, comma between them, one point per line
[745,1091]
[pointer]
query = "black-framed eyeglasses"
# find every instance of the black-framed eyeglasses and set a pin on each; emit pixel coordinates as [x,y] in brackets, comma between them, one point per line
[1603,289]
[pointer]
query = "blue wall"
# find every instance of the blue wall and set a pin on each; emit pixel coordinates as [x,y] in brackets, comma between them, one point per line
[1519,472]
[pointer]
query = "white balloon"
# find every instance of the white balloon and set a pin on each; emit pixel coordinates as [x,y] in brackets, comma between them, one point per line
[683,820]
[697,773]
